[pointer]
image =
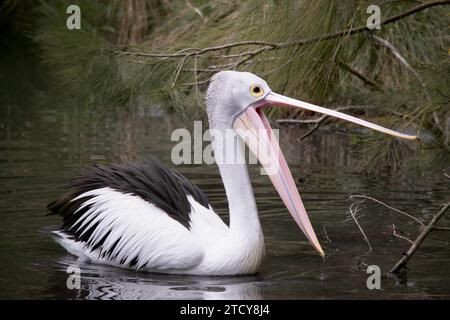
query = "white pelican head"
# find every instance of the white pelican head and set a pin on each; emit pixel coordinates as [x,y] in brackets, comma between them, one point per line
[235,100]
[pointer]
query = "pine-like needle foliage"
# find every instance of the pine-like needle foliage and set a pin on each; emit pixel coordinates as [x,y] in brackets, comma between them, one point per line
[399,75]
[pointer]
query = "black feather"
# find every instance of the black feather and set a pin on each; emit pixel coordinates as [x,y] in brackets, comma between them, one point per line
[151,180]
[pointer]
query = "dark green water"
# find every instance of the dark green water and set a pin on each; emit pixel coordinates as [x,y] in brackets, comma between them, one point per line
[45,141]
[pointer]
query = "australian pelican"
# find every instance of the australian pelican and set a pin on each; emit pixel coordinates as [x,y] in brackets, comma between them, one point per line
[147,217]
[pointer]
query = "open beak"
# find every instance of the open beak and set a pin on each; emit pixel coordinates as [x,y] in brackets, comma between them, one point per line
[253,127]
[280,100]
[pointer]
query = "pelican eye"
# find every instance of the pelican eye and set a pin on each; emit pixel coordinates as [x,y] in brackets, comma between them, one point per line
[256,91]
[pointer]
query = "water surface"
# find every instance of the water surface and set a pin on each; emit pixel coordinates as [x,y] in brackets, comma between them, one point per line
[45,140]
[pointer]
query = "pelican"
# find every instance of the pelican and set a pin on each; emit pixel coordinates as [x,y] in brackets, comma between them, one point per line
[147,217]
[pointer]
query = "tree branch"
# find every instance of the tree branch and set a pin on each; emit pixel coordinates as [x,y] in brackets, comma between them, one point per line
[318,121]
[416,243]
[365,29]
[402,60]
[359,75]
[313,129]
[267,46]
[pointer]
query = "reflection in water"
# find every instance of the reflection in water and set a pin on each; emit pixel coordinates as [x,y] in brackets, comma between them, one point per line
[109,283]
[43,147]
[46,139]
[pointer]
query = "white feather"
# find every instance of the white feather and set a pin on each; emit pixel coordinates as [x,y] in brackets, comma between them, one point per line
[137,228]
[140,228]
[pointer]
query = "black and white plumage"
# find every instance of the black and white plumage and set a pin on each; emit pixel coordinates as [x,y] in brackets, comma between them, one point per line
[136,191]
[151,180]
[147,217]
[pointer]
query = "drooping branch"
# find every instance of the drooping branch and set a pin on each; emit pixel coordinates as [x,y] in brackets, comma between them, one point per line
[397,55]
[402,60]
[364,28]
[267,46]
[200,51]
[253,49]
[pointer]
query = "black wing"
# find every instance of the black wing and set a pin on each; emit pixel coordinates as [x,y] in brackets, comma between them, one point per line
[150,180]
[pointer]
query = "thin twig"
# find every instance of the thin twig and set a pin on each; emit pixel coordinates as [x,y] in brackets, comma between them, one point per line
[353,210]
[198,51]
[440,229]
[402,61]
[363,264]
[306,121]
[316,120]
[313,129]
[326,235]
[397,55]
[189,84]
[388,206]
[196,80]
[178,70]
[359,75]
[394,230]
[196,10]
[416,243]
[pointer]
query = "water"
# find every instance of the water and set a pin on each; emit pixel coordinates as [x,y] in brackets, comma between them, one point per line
[45,140]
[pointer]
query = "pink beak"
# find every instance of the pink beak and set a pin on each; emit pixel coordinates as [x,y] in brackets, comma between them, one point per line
[254,128]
